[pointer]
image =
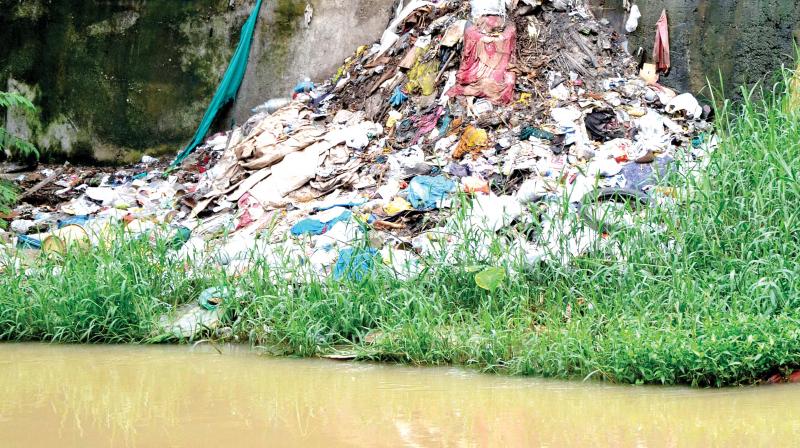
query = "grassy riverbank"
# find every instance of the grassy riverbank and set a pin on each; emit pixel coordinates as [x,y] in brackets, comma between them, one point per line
[705,293]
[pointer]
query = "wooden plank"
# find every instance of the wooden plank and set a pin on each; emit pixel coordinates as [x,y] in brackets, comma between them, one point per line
[47,181]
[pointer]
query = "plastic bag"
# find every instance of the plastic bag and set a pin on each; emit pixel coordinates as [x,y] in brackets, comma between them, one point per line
[687,103]
[633,19]
[355,264]
[793,102]
[423,77]
[427,193]
[397,205]
[488,8]
[473,140]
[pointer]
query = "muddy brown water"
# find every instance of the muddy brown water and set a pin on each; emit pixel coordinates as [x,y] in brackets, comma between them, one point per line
[78,396]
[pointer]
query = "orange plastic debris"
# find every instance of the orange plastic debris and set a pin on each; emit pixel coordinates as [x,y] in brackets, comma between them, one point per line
[473,141]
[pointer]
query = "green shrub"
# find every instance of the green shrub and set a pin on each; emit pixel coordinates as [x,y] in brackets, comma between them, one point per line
[13,146]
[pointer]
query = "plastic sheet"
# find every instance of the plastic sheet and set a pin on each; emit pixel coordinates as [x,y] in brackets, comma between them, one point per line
[228,87]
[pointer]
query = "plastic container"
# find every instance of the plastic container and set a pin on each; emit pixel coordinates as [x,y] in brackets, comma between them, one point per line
[62,239]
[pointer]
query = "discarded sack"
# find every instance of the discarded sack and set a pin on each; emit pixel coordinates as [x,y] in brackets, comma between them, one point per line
[485,61]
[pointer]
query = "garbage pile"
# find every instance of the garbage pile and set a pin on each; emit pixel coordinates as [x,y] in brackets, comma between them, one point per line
[465,114]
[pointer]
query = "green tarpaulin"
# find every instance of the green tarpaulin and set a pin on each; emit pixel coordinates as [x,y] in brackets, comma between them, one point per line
[228,87]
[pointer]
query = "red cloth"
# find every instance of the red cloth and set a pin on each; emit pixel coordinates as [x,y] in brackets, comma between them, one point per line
[485,61]
[661,48]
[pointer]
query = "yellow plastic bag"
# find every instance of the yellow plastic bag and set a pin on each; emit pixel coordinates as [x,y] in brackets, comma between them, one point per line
[397,205]
[793,102]
[394,117]
[524,99]
[348,63]
[423,77]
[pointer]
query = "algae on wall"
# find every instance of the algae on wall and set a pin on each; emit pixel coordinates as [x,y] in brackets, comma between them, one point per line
[747,40]
[115,77]
[744,41]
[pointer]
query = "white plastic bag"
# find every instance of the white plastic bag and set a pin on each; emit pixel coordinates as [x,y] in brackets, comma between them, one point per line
[488,8]
[685,103]
[633,19]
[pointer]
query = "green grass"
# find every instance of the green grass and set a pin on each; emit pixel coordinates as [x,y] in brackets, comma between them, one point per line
[703,292]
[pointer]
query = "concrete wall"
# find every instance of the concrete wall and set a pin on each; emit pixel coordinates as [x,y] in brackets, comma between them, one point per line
[116,78]
[744,40]
[286,50]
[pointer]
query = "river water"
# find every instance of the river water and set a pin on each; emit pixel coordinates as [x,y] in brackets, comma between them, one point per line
[101,396]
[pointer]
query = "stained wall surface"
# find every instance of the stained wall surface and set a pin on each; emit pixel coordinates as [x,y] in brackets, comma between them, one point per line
[113,79]
[744,41]
[116,78]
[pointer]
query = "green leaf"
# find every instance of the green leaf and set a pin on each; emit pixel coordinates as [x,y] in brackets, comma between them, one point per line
[473,269]
[489,279]
[17,146]
[9,100]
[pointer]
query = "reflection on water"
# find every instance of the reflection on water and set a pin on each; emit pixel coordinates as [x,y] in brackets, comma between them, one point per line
[173,396]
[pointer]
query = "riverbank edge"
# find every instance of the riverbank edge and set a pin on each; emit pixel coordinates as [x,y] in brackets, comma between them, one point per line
[704,293]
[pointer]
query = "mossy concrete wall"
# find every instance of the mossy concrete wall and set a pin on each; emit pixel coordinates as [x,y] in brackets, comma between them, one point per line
[743,40]
[114,79]
[285,50]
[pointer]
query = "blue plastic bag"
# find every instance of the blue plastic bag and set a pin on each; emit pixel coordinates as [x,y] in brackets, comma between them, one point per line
[27,242]
[355,264]
[426,192]
[79,220]
[398,97]
[304,87]
[313,226]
